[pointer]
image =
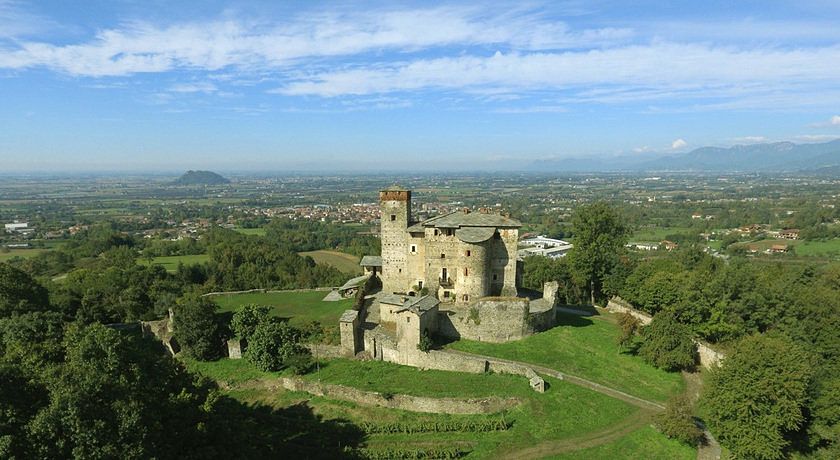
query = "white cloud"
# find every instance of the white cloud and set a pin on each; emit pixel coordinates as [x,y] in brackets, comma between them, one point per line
[202,87]
[816,137]
[678,144]
[835,120]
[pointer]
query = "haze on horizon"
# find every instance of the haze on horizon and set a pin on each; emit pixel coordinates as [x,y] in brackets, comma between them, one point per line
[257,86]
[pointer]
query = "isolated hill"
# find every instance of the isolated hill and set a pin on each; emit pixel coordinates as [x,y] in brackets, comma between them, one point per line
[768,157]
[200,178]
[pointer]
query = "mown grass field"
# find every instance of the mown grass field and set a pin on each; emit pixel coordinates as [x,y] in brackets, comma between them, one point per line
[657,234]
[170,263]
[564,412]
[23,253]
[301,307]
[347,263]
[585,347]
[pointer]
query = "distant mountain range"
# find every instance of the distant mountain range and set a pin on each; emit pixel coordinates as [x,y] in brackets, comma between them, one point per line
[200,178]
[821,158]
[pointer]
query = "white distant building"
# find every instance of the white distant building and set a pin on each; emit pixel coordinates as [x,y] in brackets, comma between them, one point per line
[543,246]
[16,226]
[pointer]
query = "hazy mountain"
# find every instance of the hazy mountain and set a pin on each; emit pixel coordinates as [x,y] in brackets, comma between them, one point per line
[769,157]
[200,178]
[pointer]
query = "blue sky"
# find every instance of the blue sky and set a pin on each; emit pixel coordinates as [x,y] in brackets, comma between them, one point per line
[275,86]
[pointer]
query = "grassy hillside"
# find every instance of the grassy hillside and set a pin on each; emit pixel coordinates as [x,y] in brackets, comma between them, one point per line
[170,263]
[585,347]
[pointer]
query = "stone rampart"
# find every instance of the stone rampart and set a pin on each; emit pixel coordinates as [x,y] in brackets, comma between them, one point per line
[492,319]
[399,401]
[708,356]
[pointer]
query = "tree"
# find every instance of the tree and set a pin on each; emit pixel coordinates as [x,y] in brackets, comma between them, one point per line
[272,344]
[755,400]
[678,422]
[599,238]
[19,293]
[196,328]
[629,325]
[246,320]
[20,399]
[667,344]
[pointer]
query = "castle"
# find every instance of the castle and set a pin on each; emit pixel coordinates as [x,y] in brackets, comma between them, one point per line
[456,257]
[454,275]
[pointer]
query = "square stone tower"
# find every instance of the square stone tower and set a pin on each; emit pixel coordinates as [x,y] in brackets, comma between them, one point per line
[395,207]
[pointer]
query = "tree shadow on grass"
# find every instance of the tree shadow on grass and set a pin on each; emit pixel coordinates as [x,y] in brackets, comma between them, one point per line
[565,319]
[256,431]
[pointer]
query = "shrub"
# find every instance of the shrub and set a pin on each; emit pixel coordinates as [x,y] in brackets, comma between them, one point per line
[677,421]
[300,362]
[271,345]
[667,343]
[426,342]
[629,325]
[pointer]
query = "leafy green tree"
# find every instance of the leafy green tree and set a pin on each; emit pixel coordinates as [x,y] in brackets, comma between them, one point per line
[756,400]
[677,421]
[246,320]
[667,344]
[118,396]
[272,344]
[600,234]
[20,400]
[19,293]
[196,328]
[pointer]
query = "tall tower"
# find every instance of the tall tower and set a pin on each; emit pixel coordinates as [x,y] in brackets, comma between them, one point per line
[395,207]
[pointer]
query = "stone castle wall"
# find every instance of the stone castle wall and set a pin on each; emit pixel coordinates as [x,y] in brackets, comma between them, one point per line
[399,401]
[395,272]
[488,320]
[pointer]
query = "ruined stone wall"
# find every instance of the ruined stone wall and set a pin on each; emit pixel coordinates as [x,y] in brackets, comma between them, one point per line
[619,305]
[399,401]
[491,319]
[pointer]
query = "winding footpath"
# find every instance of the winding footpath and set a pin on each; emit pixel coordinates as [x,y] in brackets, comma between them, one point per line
[710,450]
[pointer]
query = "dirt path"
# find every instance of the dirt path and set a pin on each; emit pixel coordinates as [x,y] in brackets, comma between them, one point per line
[710,448]
[609,434]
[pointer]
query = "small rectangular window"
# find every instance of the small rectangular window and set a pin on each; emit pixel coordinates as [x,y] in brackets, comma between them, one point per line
[413,248]
[466,298]
[442,255]
[446,294]
[393,217]
[466,271]
[468,253]
[408,320]
[436,232]
[495,277]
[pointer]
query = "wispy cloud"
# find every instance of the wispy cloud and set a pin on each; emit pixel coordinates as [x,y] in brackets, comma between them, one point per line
[201,87]
[679,144]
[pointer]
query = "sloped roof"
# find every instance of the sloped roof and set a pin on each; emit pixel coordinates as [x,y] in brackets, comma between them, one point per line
[371,261]
[475,234]
[473,219]
[419,305]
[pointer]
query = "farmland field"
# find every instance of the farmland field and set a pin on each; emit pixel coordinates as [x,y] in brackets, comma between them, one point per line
[301,306]
[170,263]
[347,263]
[24,253]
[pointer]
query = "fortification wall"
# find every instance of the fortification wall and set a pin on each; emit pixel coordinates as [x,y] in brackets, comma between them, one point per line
[706,355]
[488,320]
[404,402]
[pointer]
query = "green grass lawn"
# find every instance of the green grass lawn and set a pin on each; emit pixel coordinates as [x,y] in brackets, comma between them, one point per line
[170,263]
[645,443]
[347,263]
[564,411]
[301,307]
[24,253]
[818,248]
[657,234]
[585,347]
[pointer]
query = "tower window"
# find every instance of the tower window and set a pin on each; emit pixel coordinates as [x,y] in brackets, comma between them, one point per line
[393,217]
[436,232]
[495,277]
[468,253]
[466,271]
[466,298]
[413,248]
[442,255]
